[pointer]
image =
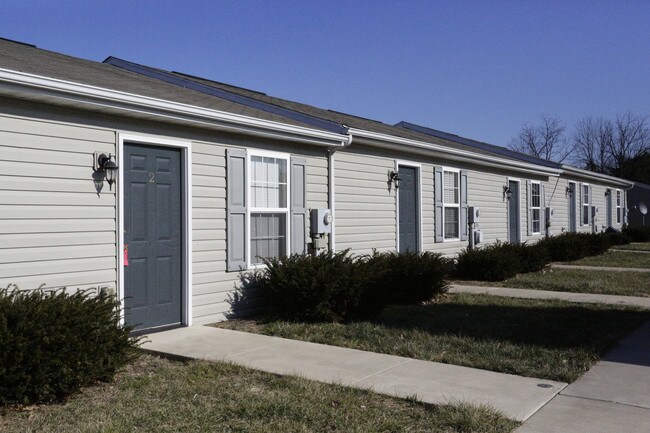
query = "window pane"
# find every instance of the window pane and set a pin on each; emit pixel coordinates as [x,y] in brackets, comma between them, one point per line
[268,236]
[451,222]
[268,182]
[585,194]
[451,188]
[535,194]
[536,222]
[585,215]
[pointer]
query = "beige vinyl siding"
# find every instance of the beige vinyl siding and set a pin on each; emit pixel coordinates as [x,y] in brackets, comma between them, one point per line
[55,230]
[365,209]
[557,198]
[485,190]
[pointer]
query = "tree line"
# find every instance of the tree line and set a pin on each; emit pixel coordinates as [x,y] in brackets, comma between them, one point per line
[619,147]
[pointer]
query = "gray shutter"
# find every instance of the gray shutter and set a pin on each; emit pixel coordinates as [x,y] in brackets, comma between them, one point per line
[542,210]
[463,205]
[624,207]
[580,207]
[529,204]
[439,204]
[236,244]
[298,205]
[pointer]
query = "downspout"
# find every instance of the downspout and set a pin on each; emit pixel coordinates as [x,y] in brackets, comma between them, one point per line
[330,179]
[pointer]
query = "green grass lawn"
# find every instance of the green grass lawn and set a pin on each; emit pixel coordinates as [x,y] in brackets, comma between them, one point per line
[616,259]
[539,338]
[577,281]
[158,395]
[635,246]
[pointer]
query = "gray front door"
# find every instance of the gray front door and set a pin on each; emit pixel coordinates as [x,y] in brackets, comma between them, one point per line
[514,224]
[409,212]
[572,207]
[153,234]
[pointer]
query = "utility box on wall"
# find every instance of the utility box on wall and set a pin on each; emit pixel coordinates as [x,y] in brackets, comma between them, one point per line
[473,214]
[321,221]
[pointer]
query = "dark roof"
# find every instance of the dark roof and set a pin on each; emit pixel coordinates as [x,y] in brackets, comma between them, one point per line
[273,103]
[503,151]
[17,56]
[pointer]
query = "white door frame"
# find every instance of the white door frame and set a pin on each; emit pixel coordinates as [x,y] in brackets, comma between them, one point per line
[418,169]
[186,162]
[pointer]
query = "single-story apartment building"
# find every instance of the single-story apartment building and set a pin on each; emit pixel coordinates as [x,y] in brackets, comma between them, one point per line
[163,186]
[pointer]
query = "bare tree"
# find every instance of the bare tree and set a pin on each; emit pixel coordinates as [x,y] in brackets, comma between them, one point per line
[631,139]
[607,146]
[592,140]
[545,141]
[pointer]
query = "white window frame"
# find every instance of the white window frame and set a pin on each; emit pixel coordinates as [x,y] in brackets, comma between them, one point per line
[583,204]
[533,208]
[619,206]
[445,205]
[251,210]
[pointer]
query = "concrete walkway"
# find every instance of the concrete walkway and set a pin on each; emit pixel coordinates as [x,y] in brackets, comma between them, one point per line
[634,301]
[516,397]
[614,396]
[599,268]
[632,251]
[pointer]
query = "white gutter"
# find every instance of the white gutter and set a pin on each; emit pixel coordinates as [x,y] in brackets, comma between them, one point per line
[51,90]
[389,141]
[568,169]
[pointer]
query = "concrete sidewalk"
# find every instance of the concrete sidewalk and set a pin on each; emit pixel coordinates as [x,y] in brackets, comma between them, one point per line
[614,396]
[632,301]
[599,268]
[516,397]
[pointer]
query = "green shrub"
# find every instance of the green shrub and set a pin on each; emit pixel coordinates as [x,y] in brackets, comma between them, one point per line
[575,246]
[53,343]
[533,258]
[409,278]
[616,238]
[337,287]
[495,262]
[637,234]
[331,287]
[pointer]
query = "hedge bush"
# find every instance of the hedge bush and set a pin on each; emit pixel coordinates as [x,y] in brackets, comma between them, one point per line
[409,278]
[338,287]
[575,246]
[53,343]
[637,234]
[494,262]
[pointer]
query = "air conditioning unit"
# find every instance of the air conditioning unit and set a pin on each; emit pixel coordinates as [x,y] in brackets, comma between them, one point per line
[478,237]
[594,211]
[321,221]
[473,214]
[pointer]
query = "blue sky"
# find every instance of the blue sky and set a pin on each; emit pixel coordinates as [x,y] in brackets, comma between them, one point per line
[476,68]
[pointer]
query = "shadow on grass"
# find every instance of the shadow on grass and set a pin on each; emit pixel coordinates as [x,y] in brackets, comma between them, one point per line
[550,326]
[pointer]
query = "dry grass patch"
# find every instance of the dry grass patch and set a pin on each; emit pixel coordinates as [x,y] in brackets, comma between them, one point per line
[577,281]
[616,259]
[158,395]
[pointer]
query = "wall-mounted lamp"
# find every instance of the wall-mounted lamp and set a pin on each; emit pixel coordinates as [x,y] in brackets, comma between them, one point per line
[608,192]
[106,164]
[568,190]
[394,178]
[506,192]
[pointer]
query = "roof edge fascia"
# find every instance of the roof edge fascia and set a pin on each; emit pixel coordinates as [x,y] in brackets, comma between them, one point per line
[384,141]
[570,170]
[130,104]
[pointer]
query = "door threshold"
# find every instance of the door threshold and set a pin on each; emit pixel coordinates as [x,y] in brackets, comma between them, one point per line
[139,332]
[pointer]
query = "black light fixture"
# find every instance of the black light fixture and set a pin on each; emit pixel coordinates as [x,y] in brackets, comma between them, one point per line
[608,192]
[506,192]
[394,178]
[568,190]
[106,164]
